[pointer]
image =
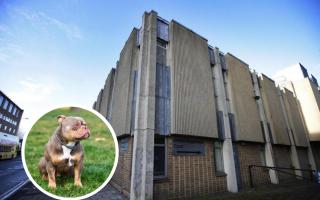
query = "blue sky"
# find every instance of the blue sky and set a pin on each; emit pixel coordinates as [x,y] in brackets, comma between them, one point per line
[58,53]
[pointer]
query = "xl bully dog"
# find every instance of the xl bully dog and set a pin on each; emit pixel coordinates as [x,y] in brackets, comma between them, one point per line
[63,154]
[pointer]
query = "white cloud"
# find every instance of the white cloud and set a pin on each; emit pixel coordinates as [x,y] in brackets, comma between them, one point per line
[35,97]
[40,18]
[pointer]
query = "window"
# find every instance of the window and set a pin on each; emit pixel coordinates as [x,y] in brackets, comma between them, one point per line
[5,105]
[211,56]
[1,99]
[232,126]
[17,113]
[123,144]
[10,107]
[263,156]
[220,119]
[139,37]
[163,88]
[134,99]
[188,147]
[14,110]
[270,133]
[10,129]
[218,157]
[160,158]
[162,30]
[5,128]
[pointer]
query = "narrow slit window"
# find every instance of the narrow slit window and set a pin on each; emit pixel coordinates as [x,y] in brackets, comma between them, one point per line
[218,157]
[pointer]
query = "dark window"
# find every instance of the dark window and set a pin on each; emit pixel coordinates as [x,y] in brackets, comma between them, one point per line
[162,107]
[232,126]
[263,156]
[123,144]
[218,156]
[220,120]
[211,56]
[134,97]
[162,30]
[10,107]
[188,147]
[270,133]
[1,99]
[5,105]
[160,160]
[263,133]
[14,110]
[139,37]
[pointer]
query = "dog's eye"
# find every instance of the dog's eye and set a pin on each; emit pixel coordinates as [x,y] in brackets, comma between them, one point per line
[74,128]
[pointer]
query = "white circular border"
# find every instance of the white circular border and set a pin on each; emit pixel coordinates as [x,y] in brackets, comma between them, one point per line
[101,186]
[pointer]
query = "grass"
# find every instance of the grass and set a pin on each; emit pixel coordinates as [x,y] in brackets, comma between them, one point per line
[99,153]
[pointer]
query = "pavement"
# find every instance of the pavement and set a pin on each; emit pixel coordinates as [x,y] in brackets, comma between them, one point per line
[14,181]
[30,192]
[11,175]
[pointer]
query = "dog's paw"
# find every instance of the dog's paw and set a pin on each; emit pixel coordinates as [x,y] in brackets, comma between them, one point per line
[52,185]
[78,183]
[44,177]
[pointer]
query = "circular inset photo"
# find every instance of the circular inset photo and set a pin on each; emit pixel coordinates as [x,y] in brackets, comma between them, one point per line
[70,152]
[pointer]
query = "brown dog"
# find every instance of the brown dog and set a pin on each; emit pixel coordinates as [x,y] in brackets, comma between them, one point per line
[63,153]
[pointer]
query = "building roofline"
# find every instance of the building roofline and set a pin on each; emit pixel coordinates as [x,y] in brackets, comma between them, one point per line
[228,53]
[10,100]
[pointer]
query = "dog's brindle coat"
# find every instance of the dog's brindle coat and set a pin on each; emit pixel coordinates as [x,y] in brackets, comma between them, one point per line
[63,153]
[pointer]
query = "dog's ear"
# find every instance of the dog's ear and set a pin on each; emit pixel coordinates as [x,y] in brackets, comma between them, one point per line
[61,118]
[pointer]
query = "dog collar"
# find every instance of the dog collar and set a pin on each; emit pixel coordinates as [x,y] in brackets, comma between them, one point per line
[66,145]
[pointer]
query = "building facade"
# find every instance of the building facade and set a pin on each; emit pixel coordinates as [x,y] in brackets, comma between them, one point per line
[191,119]
[305,88]
[10,116]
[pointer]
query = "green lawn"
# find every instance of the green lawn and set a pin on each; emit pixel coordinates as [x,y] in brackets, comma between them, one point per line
[99,151]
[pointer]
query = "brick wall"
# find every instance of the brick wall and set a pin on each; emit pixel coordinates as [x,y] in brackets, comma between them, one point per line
[121,179]
[283,159]
[189,176]
[249,154]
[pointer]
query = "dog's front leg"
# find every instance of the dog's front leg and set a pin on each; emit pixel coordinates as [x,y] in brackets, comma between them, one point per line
[77,173]
[51,170]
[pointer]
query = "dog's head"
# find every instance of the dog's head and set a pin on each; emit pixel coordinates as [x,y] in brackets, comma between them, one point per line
[73,128]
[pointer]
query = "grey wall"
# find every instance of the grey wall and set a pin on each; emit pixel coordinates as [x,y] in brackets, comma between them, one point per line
[275,113]
[193,105]
[247,117]
[107,94]
[121,104]
[295,119]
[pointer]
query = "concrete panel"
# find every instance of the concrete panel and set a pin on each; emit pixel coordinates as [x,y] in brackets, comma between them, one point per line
[121,103]
[243,103]
[295,119]
[275,113]
[193,104]
[309,99]
[99,100]
[107,94]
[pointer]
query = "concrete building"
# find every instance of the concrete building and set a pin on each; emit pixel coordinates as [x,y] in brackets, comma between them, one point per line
[10,116]
[191,119]
[305,88]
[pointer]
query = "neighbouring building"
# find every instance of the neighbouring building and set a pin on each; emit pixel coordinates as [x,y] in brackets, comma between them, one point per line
[191,119]
[305,88]
[10,116]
